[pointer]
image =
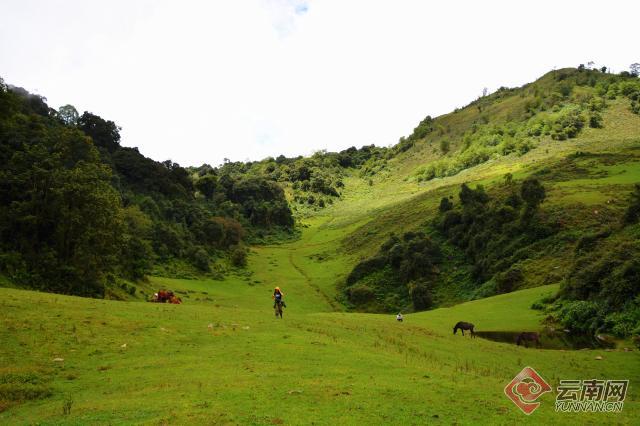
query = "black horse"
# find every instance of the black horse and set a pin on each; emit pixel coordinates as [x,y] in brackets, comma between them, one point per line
[528,336]
[464,326]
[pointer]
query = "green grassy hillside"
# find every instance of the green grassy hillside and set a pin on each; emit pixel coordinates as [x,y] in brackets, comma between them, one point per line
[588,176]
[222,358]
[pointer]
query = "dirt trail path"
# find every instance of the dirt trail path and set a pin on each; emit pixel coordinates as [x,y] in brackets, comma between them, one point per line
[309,282]
[296,264]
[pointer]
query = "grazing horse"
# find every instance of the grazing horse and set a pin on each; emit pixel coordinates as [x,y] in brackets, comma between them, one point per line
[278,308]
[528,336]
[464,326]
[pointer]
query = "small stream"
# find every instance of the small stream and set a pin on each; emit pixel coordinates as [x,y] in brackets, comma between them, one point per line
[551,339]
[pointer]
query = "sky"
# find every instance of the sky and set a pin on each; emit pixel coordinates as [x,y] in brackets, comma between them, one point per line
[200,81]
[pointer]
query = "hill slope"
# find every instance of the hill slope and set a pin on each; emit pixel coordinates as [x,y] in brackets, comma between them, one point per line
[221,357]
[578,234]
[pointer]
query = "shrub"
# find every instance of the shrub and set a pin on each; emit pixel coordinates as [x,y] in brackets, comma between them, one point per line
[445,205]
[23,391]
[403,266]
[508,281]
[622,324]
[538,306]
[239,256]
[580,316]
[567,123]
[200,259]
[595,120]
[361,293]
[23,386]
[444,146]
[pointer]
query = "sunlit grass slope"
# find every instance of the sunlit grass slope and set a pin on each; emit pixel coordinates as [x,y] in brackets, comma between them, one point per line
[230,361]
[396,202]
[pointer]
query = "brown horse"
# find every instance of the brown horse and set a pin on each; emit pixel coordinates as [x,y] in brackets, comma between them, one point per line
[163,296]
[464,326]
[278,308]
[528,336]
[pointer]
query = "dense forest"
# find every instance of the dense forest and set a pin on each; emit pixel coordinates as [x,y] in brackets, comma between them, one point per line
[79,211]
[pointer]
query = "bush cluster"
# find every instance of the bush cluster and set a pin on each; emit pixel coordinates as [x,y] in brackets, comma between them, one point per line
[402,273]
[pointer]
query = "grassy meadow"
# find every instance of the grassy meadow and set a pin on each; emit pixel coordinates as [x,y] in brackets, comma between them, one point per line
[222,357]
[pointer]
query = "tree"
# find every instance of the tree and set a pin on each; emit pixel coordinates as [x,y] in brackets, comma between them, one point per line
[445,205]
[208,186]
[68,114]
[634,69]
[105,134]
[88,229]
[200,259]
[471,197]
[532,192]
[136,253]
[595,120]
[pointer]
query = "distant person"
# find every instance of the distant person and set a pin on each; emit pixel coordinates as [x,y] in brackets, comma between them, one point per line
[278,296]
[399,317]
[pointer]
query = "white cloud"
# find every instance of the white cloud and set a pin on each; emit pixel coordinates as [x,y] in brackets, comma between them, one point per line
[197,81]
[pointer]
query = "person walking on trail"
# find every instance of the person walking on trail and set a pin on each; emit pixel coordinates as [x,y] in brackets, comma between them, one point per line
[278,296]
